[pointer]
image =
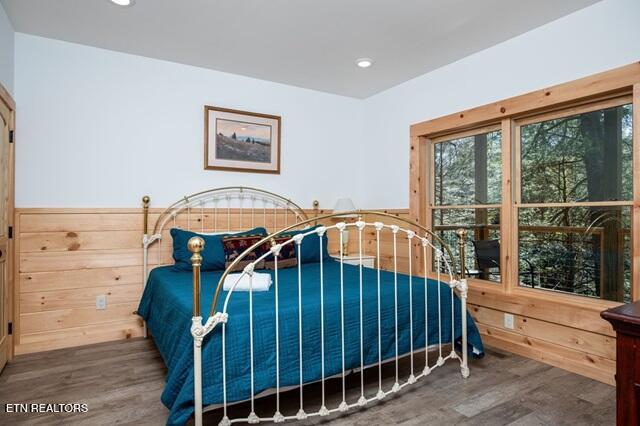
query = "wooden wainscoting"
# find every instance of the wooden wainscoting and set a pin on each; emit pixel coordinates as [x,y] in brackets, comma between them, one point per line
[559,334]
[67,257]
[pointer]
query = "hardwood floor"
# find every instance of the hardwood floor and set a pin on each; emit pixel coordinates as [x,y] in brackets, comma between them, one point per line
[121,383]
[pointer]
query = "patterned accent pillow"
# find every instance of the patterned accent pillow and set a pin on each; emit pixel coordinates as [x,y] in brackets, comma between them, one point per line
[234,246]
[287,257]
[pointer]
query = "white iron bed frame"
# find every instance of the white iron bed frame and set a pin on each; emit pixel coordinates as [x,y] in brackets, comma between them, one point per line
[264,205]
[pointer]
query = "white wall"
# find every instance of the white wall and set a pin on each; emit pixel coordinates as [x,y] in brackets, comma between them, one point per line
[101,128]
[6,51]
[598,38]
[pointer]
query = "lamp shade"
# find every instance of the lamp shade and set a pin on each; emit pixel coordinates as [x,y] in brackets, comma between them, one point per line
[344,205]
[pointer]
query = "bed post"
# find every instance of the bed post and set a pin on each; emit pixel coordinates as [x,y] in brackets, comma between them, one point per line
[145,250]
[196,244]
[462,290]
[316,211]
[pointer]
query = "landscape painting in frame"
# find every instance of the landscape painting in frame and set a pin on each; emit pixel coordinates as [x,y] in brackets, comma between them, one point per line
[241,141]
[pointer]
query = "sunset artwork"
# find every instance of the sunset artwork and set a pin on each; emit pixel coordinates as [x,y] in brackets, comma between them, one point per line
[242,141]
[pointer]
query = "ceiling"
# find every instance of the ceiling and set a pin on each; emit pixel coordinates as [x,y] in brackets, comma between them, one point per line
[306,43]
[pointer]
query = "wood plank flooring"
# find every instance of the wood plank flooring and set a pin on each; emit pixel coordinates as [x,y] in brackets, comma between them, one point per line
[122,381]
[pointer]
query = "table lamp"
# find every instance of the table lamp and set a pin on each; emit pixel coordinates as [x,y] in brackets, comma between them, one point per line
[345,205]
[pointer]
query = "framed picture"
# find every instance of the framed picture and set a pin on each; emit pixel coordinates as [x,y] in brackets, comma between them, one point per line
[241,141]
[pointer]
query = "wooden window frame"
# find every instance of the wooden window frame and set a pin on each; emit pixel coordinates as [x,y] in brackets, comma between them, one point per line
[607,88]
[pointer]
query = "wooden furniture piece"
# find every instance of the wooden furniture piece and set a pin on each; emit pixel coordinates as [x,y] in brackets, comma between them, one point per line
[625,320]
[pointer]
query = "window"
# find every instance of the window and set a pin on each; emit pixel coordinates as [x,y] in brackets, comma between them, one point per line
[467,182]
[547,185]
[570,210]
[575,191]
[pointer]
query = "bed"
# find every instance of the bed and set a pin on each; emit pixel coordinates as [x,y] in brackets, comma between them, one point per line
[320,319]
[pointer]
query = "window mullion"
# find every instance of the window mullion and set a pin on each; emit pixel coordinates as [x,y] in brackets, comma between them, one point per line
[506,209]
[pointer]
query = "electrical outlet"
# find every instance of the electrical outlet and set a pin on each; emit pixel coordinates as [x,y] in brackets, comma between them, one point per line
[101,302]
[508,321]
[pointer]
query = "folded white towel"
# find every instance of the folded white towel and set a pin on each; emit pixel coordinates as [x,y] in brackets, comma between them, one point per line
[261,282]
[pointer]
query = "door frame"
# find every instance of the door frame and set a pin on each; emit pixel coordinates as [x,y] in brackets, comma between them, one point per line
[11,263]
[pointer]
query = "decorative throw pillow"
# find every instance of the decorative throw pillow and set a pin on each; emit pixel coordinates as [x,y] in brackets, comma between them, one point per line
[287,257]
[310,246]
[235,245]
[213,255]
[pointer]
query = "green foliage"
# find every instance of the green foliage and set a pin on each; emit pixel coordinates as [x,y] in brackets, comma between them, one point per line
[455,171]
[585,157]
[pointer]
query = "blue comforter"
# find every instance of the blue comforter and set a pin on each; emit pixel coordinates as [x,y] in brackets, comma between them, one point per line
[166,305]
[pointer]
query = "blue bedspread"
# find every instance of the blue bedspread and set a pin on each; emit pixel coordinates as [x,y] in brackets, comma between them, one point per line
[166,305]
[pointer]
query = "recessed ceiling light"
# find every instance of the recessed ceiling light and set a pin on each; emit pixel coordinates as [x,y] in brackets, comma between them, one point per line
[364,62]
[123,2]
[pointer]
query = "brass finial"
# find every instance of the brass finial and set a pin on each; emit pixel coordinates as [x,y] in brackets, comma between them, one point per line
[195,245]
[461,232]
[145,200]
